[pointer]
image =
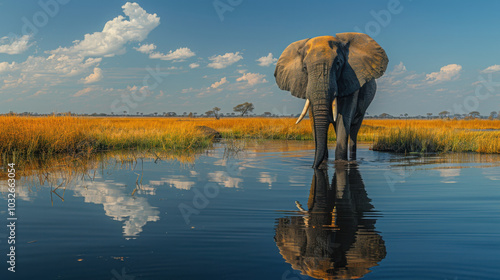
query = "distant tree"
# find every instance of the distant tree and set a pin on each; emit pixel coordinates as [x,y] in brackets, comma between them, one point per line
[429,115]
[384,115]
[444,114]
[267,114]
[216,111]
[244,108]
[406,115]
[155,113]
[474,114]
[493,115]
[190,115]
[210,113]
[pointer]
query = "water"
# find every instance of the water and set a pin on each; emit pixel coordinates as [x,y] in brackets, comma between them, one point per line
[259,212]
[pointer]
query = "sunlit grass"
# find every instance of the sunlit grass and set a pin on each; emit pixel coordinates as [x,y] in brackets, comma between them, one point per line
[426,140]
[47,136]
[40,136]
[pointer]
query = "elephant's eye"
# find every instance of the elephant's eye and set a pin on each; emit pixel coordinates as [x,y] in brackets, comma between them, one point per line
[304,67]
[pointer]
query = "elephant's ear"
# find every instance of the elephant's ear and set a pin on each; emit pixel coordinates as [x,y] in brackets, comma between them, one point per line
[289,73]
[366,60]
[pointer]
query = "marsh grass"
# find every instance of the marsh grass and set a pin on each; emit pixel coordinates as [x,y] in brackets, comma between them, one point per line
[47,136]
[42,137]
[432,140]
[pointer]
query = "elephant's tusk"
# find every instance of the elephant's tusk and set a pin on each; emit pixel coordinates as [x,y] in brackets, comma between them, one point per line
[334,106]
[304,111]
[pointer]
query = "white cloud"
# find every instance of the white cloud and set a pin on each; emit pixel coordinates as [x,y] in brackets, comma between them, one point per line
[491,69]
[446,73]
[146,48]
[219,83]
[252,78]
[223,61]
[194,65]
[115,34]
[177,55]
[71,61]
[83,91]
[267,60]
[399,69]
[5,66]
[17,46]
[94,77]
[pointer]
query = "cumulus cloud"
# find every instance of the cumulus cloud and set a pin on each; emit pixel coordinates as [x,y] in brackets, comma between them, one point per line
[267,60]
[146,48]
[194,65]
[446,73]
[50,70]
[219,83]
[94,77]
[399,69]
[84,55]
[16,46]
[223,61]
[491,69]
[252,78]
[5,66]
[115,34]
[177,55]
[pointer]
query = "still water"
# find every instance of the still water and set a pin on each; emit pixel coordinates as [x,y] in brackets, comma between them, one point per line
[256,210]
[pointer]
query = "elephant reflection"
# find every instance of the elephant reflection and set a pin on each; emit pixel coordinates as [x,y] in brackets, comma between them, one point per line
[333,239]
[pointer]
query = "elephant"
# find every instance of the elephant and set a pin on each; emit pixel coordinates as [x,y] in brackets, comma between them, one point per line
[332,239]
[336,76]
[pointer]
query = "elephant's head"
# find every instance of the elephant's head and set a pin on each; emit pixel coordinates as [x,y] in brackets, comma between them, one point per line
[324,68]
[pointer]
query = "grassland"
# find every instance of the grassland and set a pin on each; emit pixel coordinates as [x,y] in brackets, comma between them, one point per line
[47,136]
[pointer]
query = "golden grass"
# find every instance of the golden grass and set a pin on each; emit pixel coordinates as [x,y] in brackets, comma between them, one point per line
[28,136]
[482,136]
[46,136]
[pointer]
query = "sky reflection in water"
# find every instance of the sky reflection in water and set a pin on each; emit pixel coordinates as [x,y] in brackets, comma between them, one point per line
[257,210]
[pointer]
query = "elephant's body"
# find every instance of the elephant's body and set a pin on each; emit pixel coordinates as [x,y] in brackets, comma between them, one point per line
[328,70]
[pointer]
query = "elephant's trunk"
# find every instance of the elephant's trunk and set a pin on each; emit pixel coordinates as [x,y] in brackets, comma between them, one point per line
[321,123]
[320,90]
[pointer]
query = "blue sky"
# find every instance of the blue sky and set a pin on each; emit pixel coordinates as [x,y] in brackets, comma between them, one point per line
[189,56]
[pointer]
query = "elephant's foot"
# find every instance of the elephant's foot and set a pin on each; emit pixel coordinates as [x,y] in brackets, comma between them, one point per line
[352,155]
[343,163]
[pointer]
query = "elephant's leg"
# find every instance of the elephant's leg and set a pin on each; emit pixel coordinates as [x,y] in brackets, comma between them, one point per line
[347,108]
[342,136]
[353,137]
[365,97]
